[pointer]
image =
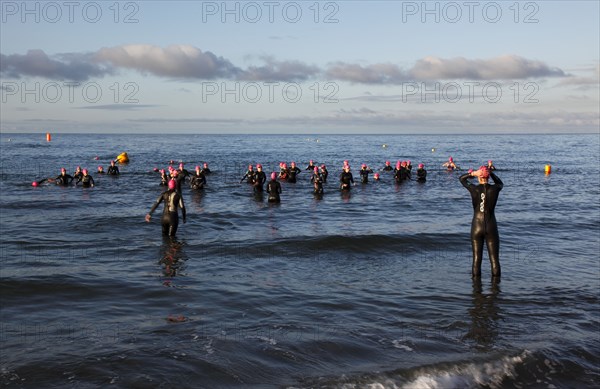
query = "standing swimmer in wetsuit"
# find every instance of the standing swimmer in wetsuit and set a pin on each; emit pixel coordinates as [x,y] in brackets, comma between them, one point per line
[198,179]
[293,171]
[273,189]
[346,178]
[170,217]
[64,179]
[364,173]
[86,180]
[421,173]
[113,170]
[483,225]
[259,179]
[317,180]
[249,176]
[324,173]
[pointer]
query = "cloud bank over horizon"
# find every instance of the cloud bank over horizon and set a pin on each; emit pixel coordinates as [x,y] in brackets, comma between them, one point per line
[188,62]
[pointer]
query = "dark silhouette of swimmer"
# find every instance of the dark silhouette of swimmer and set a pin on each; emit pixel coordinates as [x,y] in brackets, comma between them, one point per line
[388,167]
[198,179]
[113,170]
[249,176]
[421,173]
[346,178]
[364,173]
[293,171]
[170,217]
[273,189]
[205,170]
[483,225]
[63,179]
[324,173]
[86,180]
[317,180]
[259,179]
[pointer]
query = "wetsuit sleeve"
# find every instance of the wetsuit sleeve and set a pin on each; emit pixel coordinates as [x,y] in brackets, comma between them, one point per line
[160,198]
[182,206]
[464,180]
[92,180]
[497,181]
[351,178]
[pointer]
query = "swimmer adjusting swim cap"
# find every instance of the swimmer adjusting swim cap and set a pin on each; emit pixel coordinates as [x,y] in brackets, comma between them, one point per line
[172,184]
[485,173]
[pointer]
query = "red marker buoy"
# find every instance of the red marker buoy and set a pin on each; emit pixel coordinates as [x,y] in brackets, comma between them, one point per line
[48,137]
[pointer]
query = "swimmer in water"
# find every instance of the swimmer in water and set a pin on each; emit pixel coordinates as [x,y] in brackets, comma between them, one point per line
[317,180]
[205,169]
[164,178]
[483,225]
[450,165]
[100,170]
[183,172]
[273,189]
[421,173]
[173,201]
[283,171]
[293,171]
[346,178]
[249,176]
[311,166]
[376,177]
[324,173]
[490,165]
[198,179]
[388,167]
[364,173]
[113,169]
[86,180]
[78,173]
[63,179]
[260,179]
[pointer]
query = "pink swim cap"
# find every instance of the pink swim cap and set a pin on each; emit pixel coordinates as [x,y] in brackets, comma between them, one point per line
[155,169]
[316,169]
[421,166]
[181,165]
[323,166]
[34,183]
[205,164]
[172,184]
[249,167]
[363,165]
[62,169]
[197,167]
[84,171]
[450,159]
[387,162]
[273,176]
[162,171]
[258,166]
[376,176]
[398,164]
[311,161]
[489,161]
[284,165]
[100,168]
[293,163]
[485,173]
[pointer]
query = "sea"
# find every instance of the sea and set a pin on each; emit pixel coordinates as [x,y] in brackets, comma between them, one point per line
[366,289]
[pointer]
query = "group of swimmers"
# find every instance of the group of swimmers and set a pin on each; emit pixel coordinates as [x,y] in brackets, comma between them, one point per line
[79,176]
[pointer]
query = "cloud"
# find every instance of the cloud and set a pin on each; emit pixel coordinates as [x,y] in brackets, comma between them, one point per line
[583,82]
[71,66]
[178,61]
[507,67]
[274,70]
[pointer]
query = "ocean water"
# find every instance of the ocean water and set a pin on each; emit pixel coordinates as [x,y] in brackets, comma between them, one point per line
[367,290]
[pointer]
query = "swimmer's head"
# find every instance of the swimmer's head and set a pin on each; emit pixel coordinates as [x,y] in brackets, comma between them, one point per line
[364,166]
[174,173]
[403,164]
[293,164]
[450,159]
[197,167]
[347,168]
[311,162]
[316,169]
[489,161]
[259,166]
[398,165]
[112,163]
[421,166]
[100,168]
[249,167]
[162,171]
[205,165]
[484,172]
[155,169]
[78,169]
[273,176]
[63,170]
[408,162]
[376,176]
[172,184]
[85,171]
[387,163]
[284,165]
[181,165]
[323,166]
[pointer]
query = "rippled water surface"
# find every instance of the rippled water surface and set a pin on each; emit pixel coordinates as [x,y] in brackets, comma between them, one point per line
[346,291]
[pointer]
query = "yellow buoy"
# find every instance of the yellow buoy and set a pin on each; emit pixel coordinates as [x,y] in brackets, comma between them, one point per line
[433,150]
[548,169]
[122,158]
[48,137]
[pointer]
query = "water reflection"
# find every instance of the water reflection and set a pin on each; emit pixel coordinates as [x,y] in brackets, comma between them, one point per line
[172,259]
[484,314]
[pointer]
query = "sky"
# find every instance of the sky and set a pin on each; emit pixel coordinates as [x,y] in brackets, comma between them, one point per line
[289,67]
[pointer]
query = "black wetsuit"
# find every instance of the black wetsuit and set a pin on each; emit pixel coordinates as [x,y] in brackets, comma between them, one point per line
[317,180]
[86,181]
[483,225]
[259,181]
[364,175]
[274,189]
[164,179]
[249,176]
[206,171]
[170,217]
[387,168]
[292,173]
[180,179]
[198,181]
[401,175]
[311,167]
[345,180]
[77,176]
[324,173]
[113,170]
[421,175]
[63,179]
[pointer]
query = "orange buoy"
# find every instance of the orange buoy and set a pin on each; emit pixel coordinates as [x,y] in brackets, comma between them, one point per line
[48,137]
[548,169]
